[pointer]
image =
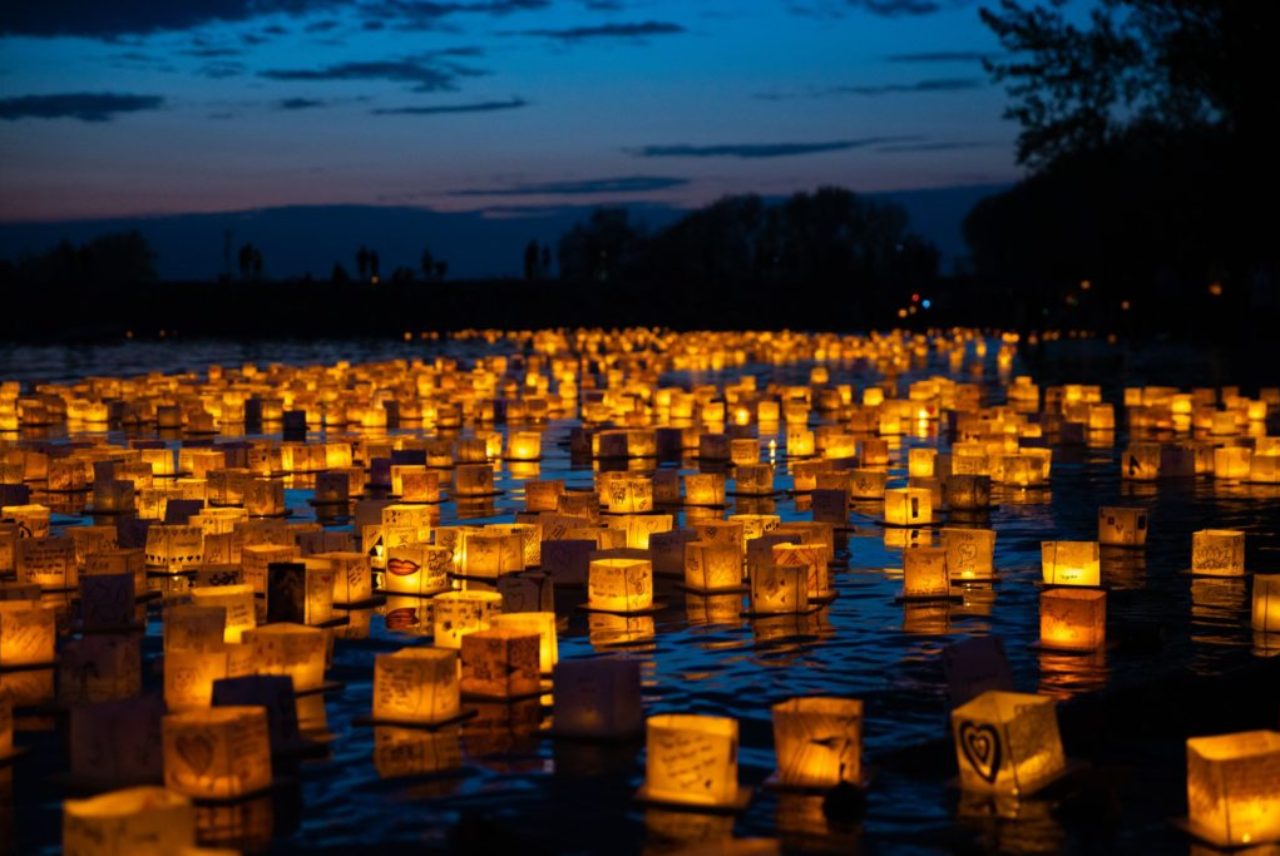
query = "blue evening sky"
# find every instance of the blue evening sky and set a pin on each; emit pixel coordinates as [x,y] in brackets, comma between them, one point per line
[162,106]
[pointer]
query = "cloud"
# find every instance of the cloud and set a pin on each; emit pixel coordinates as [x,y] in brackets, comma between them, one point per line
[939,56]
[111,18]
[882,8]
[220,70]
[426,76]
[323,26]
[582,187]
[299,103]
[85,106]
[639,30]
[212,52]
[759,150]
[427,14]
[943,84]
[941,146]
[441,109]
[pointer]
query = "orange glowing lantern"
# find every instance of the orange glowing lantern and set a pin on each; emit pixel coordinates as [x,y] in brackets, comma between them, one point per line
[620,585]
[457,613]
[219,753]
[26,633]
[500,663]
[818,741]
[1266,603]
[141,821]
[908,506]
[1070,563]
[924,573]
[541,623]
[1007,743]
[710,566]
[418,569]
[289,649]
[1233,788]
[691,760]
[1217,552]
[418,686]
[970,553]
[1073,619]
[1122,527]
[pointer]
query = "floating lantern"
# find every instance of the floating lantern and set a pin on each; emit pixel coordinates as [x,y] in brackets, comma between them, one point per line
[48,562]
[1070,563]
[457,613]
[597,699]
[289,649]
[264,497]
[238,602]
[753,479]
[813,558]
[113,496]
[818,741]
[639,527]
[908,506]
[628,494]
[704,489]
[1266,603]
[1122,527]
[1217,552]
[924,573]
[219,753]
[473,480]
[417,686]
[1007,743]
[691,760]
[542,495]
[970,553]
[921,463]
[26,633]
[800,442]
[620,585]
[1073,619]
[1233,788]
[490,554]
[173,548]
[710,567]
[779,590]
[500,663]
[352,576]
[300,592]
[541,623]
[966,492]
[524,446]
[142,821]
[418,569]
[744,450]
[255,559]
[1231,462]
[867,484]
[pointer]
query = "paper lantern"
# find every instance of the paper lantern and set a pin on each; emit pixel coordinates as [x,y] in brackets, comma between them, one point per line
[1266,603]
[473,480]
[500,663]
[777,590]
[188,627]
[172,547]
[264,497]
[524,446]
[541,623]
[908,506]
[639,527]
[924,573]
[32,520]
[542,495]
[811,557]
[141,821]
[1073,619]
[26,633]
[1231,462]
[712,567]
[48,562]
[1070,563]
[800,442]
[113,496]
[704,489]
[492,553]
[1217,552]
[1122,527]
[620,585]
[966,492]
[627,494]
[256,559]
[294,650]
[753,479]
[818,741]
[1007,743]
[116,744]
[970,553]
[419,569]
[189,674]
[921,463]
[1233,788]
[691,760]
[99,667]
[352,576]
[238,602]
[597,699]
[417,686]
[867,484]
[300,592]
[457,613]
[219,753]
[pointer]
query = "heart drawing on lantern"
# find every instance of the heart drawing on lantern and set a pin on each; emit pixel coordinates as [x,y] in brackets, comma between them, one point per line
[981,746]
[196,750]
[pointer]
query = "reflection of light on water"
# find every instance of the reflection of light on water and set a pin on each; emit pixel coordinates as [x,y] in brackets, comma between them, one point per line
[1219,617]
[1010,825]
[1065,675]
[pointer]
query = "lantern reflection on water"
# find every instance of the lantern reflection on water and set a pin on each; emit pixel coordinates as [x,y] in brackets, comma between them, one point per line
[1266,603]
[1233,788]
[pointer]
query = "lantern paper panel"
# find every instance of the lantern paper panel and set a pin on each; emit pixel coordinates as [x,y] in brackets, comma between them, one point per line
[1073,619]
[457,613]
[710,566]
[691,759]
[500,662]
[418,569]
[908,506]
[620,585]
[1122,527]
[219,753]
[48,562]
[1007,743]
[970,553]
[924,573]
[779,589]
[141,821]
[191,627]
[1266,603]
[26,633]
[1233,788]
[300,592]
[189,674]
[818,741]
[1217,552]
[289,649]
[237,600]
[1070,563]
[541,623]
[416,685]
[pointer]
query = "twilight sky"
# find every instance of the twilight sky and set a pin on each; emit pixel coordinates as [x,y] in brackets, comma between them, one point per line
[137,107]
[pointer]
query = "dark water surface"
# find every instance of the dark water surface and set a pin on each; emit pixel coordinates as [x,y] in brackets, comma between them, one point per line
[526,793]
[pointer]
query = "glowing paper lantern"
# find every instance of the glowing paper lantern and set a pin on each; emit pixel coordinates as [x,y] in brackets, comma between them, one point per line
[219,753]
[753,479]
[352,576]
[1122,527]
[146,821]
[457,613]
[500,663]
[48,562]
[189,674]
[473,480]
[629,494]
[1007,743]
[417,686]
[1233,788]
[924,573]
[1217,552]
[813,558]
[289,649]
[1073,619]
[704,489]
[172,547]
[1070,563]
[524,446]
[26,633]
[778,589]
[818,741]
[921,463]
[541,623]
[691,760]
[620,585]
[1266,603]
[597,699]
[492,553]
[711,567]
[970,553]
[238,602]
[908,506]
[419,569]
[1231,462]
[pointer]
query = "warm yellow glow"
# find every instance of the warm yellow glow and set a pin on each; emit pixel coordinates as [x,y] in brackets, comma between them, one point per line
[970,553]
[818,741]
[1122,527]
[908,506]
[1233,787]
[289,649]
[457,613]
[710,566]
[1266,603]
[924,573]
[416,685]
[218,753]
[238,602]
[691,759]
[141,821]
[500,662]
[26,633]
[1007,743]
[620,585]
[1070,563]
[542,623]
[1217,552]
[419,569]
[1073,619]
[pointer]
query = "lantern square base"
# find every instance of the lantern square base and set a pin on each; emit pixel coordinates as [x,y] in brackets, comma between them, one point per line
[1260,848]
[775,783]
[738,804]
[435,725]
[740,589]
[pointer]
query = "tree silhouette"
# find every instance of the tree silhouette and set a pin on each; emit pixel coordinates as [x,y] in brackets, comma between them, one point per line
[362,261]
[605,247]
[442,270]
[373,265]
[531,261]
[428,265]
[339,273]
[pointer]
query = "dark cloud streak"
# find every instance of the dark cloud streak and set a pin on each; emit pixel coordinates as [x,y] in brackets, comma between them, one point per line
[583,187]
[643,29]
[760,150]
[85,106]
[423,74]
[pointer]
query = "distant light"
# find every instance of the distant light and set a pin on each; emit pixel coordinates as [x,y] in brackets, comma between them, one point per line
[1085,285]
[902,313]
[912,310]
[926,303]
[408,337]
[915,298]
[1124,304]
[1215,289]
